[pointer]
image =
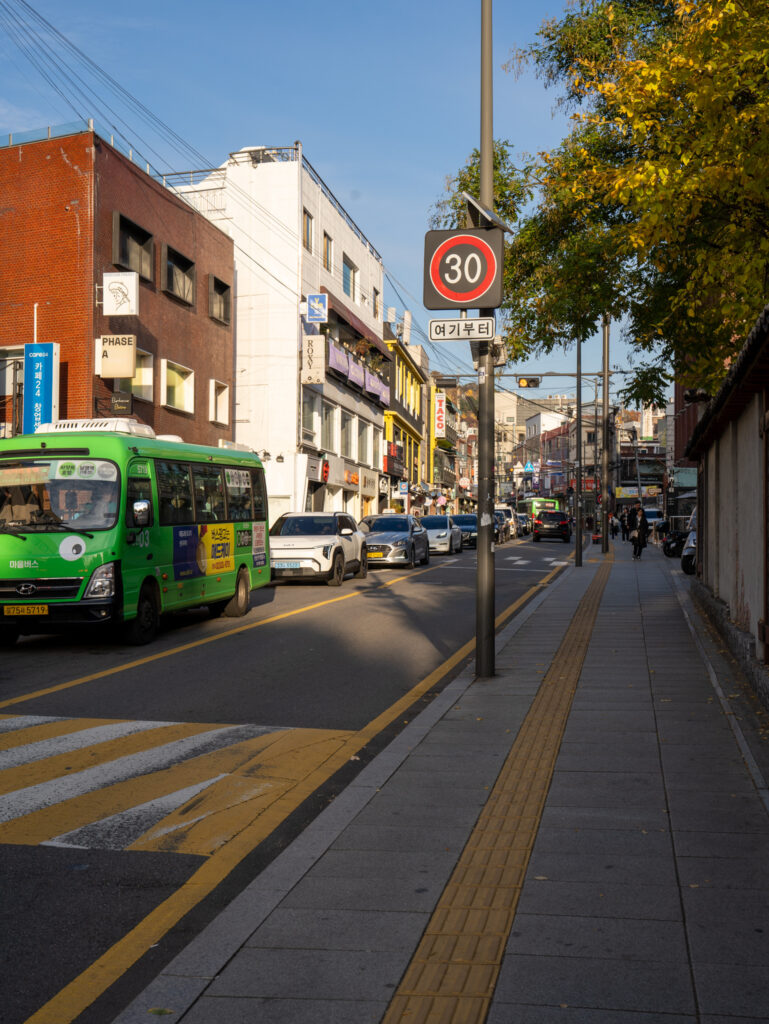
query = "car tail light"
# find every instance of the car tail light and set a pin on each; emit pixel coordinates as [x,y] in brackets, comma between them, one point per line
[537,522]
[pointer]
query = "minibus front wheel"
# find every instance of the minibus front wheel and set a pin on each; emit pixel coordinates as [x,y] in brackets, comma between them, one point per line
[8,636]
[143,629]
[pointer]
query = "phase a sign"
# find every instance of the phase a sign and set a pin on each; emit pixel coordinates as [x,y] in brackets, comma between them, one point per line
[464,269]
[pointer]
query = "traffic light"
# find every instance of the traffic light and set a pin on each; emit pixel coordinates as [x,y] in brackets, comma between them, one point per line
[528,382]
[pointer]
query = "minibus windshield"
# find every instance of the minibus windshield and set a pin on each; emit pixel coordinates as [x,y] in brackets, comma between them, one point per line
[41,495]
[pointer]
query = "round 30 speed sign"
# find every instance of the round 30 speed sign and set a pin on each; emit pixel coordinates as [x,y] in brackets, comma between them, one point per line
[463,269]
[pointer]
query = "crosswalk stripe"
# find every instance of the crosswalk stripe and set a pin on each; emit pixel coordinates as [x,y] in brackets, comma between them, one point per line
[11,723]
[62,817]
[56,790]
[71,741]
[60,766]
[119,830]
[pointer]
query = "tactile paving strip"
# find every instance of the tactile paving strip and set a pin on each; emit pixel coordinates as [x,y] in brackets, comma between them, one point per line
[452,976]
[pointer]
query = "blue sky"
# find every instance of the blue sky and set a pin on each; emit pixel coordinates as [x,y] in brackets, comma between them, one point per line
[384,98]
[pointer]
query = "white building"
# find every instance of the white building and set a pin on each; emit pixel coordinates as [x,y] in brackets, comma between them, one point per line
[292,239]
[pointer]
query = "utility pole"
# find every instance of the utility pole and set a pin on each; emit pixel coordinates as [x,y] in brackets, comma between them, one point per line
[605,452]
[484,604]
[578,488]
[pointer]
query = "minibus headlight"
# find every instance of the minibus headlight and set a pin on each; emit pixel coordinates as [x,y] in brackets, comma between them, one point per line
[102,582]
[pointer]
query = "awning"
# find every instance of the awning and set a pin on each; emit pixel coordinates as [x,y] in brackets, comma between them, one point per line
[356,323]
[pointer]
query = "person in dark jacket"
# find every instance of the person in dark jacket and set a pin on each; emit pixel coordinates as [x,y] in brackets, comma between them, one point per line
[639,533]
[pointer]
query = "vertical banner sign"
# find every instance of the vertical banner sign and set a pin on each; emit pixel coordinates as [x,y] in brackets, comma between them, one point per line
[41,385]
[440,414]
[313,358]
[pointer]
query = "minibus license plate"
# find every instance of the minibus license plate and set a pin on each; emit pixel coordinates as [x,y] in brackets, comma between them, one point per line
[25,609]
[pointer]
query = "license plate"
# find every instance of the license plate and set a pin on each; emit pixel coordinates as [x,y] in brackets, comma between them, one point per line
[375,554]
[288,565]
[25,609]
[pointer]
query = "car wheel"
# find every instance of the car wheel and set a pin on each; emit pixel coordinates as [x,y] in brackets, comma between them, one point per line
[412,559]
[426,559]
[337,571]
[143,629]
[8,636]
[240,602]
[362,572]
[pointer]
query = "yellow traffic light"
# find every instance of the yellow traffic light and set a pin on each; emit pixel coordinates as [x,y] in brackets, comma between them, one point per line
[528,382]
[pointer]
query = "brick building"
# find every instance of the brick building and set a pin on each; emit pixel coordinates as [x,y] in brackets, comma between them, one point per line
[74,208]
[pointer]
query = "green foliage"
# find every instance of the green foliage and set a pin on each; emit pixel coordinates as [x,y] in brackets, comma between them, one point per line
[654,208]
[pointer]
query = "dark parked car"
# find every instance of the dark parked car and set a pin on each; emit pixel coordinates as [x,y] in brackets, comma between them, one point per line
[501,527]
[552,524]
[468,524]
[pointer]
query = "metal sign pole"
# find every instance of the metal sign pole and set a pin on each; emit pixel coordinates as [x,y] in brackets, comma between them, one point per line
[605,452]
[484,631]
[578,487]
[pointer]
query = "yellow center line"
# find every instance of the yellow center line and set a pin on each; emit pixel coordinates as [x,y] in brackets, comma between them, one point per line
[80,993]
[181,648]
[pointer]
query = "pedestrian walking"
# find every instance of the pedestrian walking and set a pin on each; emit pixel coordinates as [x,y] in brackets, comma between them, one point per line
[623,524]
[639,533]
[614,526]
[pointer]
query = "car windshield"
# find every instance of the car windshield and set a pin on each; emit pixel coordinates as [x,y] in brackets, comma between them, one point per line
[59,494]
[304,526]
[466,520]
[552,517]
[435,522]
[388,524]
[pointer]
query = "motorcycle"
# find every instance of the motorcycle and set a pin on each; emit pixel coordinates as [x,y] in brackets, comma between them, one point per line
[673,544]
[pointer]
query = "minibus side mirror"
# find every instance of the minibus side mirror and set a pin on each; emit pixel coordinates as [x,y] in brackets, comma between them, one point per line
[141,512]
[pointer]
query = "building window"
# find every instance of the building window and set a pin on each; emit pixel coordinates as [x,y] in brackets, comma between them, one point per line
[141,384]
[347,429]
[375,303]
[309,413]
[363,434]
[307,230]
[177,275]
[328,253]
[349,277]
[132,246]
[376,454]
[177,386]
[218,402]
[328,432]
[219,300]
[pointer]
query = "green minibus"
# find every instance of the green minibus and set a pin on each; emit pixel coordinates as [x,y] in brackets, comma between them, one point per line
[103,522]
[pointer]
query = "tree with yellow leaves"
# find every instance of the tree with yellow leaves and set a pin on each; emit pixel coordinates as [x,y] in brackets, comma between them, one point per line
[655,208]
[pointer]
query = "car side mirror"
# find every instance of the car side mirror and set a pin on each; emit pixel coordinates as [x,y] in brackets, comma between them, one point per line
[346,531]
[141,512]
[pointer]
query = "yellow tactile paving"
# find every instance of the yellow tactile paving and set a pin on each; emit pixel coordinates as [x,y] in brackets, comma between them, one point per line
[452,977]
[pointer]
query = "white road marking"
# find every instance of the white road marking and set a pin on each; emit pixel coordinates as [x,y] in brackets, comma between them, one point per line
[45,794]
[76,740]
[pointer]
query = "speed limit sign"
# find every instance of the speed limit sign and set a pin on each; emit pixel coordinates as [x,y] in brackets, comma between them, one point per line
[463,269]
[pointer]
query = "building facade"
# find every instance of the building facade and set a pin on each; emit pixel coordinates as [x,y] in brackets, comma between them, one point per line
[75,209]
[311,382]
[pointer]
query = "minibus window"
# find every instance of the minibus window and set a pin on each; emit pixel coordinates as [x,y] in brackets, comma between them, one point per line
[209,494]
[174,493]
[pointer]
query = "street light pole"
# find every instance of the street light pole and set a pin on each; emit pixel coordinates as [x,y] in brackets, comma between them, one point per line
[605,452]
[578,488]
[484,603]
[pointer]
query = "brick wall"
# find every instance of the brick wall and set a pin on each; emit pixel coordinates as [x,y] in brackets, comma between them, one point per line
[56,223]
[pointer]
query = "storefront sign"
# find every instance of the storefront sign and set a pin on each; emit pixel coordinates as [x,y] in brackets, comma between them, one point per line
[120,294]
[116,355]
[439,421]
[338,359]
[41,385]
[313,359]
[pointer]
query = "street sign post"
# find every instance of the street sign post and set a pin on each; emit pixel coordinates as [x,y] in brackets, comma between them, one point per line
[463,269]
[480,328]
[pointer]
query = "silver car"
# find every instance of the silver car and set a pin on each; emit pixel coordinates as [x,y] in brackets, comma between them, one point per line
[395,540]
[443,534]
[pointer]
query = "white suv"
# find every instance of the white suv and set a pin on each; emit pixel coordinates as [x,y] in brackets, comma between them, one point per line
[317,545]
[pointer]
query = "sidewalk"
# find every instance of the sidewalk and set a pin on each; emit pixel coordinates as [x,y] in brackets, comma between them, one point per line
[583,838]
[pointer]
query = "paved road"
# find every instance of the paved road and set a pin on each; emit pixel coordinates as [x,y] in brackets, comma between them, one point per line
[141,789]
